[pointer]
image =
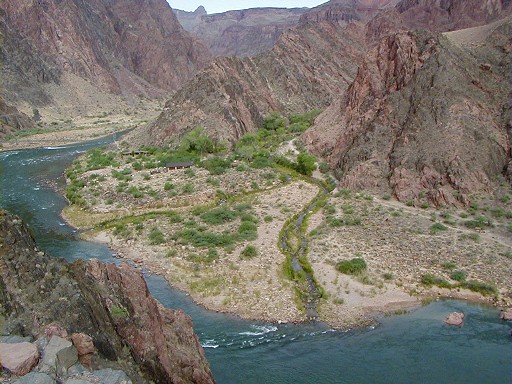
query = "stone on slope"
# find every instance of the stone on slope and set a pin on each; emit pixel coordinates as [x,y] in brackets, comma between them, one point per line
[59,355]
[110,376]
[35,378]
[19,358]
[83,343]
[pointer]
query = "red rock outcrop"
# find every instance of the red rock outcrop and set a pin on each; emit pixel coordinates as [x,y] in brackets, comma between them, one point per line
[19,358]
[436,16]
[418,102]
[161,340]
[340,11]
[110,303]
[118,45]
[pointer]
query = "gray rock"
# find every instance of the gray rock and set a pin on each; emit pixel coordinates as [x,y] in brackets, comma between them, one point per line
[76,369]
[35,378]
[15,339]
[59,355]
[81,381]
[109,376]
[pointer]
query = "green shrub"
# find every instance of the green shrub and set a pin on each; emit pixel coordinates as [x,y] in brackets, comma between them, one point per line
[458,276]
[249,252]
[480,287]
[306,163]
[248,231]
[354,266]
[479,222]
[431,280]
[218,216]
[187,188]
[206,239]
[156,237]
[168,186]
[450,265]
[118,312]
[437,227]
[135,192]
[268,219]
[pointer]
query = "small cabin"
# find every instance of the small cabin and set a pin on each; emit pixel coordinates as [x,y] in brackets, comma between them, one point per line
[182,165]
[134,153]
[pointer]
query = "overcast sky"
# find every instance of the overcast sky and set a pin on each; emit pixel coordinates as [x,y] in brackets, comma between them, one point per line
[217,6]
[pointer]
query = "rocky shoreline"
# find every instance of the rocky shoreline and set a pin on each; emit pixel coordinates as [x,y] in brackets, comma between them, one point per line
[106,304]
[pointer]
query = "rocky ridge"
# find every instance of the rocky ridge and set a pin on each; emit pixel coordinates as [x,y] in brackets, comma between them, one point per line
[229,98]
[107,302]
[240,33]
[418,102]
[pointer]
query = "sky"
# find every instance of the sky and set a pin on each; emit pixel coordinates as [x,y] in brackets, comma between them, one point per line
[217,6]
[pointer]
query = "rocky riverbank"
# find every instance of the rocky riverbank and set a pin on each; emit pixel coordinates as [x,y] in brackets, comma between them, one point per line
[109,305]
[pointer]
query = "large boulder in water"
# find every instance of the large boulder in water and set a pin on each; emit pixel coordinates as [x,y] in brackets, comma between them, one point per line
[506,314]
[455,318]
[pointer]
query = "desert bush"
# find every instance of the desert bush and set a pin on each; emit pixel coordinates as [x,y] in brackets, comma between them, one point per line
[354,266]
[249,252]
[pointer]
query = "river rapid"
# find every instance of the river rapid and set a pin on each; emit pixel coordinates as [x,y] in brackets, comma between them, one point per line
[416,347]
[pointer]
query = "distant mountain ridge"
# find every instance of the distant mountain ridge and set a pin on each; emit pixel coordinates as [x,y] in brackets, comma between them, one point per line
[240,33]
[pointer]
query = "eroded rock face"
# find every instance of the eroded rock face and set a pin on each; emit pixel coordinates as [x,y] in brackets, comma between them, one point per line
[111,304]
[161,340]
[116,44]
[418,103]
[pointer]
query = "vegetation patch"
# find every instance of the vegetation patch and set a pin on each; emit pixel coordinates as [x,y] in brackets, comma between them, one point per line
[354,266]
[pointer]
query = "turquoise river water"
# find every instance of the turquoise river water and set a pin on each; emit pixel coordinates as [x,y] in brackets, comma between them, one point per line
[413,348]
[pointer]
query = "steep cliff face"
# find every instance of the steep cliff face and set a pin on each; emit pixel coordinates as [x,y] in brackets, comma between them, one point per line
[346,10]
[426,115]
[240,33]
[110,303]
[303,71]
[436,16]
[121,46]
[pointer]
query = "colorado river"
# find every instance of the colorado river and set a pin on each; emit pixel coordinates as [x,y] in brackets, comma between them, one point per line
[412,348]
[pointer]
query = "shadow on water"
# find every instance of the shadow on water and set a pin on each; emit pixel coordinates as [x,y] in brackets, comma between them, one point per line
[412,348]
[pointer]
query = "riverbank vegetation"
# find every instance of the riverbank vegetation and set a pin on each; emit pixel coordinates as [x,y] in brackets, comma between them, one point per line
[211,217]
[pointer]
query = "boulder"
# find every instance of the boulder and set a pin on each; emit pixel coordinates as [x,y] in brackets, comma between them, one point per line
[506,314]
[35,378]
[83,343]
[15,339]
[55,329]
[110,376]
[19,358]
[59,355]
[455,318]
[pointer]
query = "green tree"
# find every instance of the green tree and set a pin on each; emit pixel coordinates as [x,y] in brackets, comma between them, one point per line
[196,141]
[306,163]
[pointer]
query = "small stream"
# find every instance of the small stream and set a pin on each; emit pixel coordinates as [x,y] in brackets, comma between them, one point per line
[413,348]
[306,285]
